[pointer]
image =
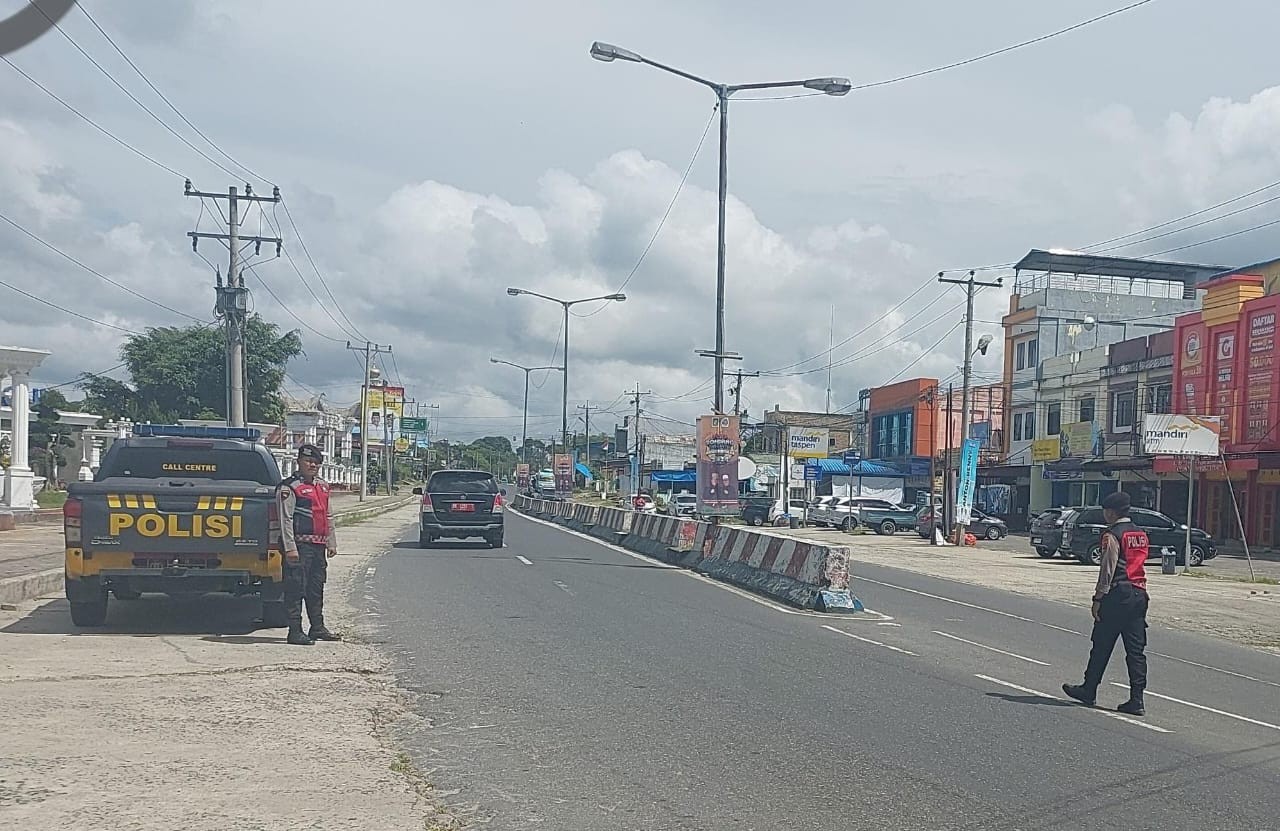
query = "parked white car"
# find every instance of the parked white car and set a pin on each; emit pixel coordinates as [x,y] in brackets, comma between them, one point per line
[844,512]
[682,504]
[818,507]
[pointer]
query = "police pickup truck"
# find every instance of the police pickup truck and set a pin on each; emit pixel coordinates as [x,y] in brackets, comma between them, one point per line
[176,510]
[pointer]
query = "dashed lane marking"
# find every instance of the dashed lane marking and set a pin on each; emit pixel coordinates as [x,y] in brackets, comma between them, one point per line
[524,560]
[1107,713]
[992,649]
[867,640]
[1246,719]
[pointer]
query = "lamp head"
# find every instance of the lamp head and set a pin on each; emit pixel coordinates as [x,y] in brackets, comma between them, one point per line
[983,343]
[608,53]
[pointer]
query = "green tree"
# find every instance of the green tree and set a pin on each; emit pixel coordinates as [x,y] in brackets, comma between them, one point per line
[180,372]
[48,438]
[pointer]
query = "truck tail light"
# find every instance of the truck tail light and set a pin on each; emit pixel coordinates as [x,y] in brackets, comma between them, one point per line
[497,503]
[71,512]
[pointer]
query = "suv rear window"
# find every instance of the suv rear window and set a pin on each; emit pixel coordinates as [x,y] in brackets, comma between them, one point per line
[169,462]
[454,481]
[1090,516]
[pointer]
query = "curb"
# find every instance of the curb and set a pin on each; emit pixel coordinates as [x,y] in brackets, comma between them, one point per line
[360,514]
[28,586]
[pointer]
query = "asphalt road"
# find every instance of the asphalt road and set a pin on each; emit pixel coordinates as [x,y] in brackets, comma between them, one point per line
[564,684]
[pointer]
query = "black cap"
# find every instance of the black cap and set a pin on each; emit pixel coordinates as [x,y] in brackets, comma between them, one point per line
[1119,502]
[310,451]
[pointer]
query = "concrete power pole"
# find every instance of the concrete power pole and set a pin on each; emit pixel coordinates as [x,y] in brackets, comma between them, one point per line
[369,350]
[233,298]
[737,390]
[971,286]
[635,401]
[586,409]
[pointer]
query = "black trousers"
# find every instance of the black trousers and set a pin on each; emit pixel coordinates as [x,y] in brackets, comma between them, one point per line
[1123,614]
[304,584]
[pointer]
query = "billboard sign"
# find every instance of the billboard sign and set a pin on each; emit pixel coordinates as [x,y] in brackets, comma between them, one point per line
[522,478]
[718,443]
[384,406]
[1046,450]
[1079,440]
[1180,435]
[807,442]
[413,425]
[1224,383]
[968,482]
[563,466]
[1192,393]
[1260,378]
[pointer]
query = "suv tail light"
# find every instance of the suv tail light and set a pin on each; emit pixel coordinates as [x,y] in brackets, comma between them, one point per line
[497,503]
[426,502]
[71,511]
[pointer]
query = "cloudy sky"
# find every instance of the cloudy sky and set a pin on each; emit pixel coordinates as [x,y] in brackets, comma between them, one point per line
[433,154]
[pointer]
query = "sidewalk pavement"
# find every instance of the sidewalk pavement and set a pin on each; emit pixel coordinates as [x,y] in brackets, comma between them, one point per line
[1247,613]
[218,725]
[31,555]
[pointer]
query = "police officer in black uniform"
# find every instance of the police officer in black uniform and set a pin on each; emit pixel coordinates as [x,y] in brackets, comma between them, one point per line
[308,536]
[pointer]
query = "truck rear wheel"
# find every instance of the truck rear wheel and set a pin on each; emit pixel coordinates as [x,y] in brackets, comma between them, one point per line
[89,612]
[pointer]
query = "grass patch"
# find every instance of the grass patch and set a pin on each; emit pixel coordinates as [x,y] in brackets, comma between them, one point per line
[403,764]
[51,499]
[1204,575]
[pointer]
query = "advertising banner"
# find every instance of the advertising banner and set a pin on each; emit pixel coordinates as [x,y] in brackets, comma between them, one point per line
[1224,383]
[1192,392]
[718,443]
[522,478]
[1079,440]
[1261,390]
[807,442]
[413,425]
[1046,450]
[383,408]
[1180,435]
[968,482]
[563,466]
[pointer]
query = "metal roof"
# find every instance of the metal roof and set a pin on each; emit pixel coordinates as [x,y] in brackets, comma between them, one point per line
[1094,265]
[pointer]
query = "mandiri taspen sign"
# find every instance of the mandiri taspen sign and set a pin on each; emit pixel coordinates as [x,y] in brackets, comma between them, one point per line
[1180,435]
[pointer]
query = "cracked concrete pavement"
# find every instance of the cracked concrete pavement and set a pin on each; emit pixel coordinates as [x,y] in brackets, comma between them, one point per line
[181,714]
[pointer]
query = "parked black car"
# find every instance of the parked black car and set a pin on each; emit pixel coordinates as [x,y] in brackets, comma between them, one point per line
[757,510]
[1046,531]
[461,503]
[1083,527]
[980,525]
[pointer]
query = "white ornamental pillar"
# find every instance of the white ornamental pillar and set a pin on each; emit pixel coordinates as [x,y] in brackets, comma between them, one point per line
[19,479]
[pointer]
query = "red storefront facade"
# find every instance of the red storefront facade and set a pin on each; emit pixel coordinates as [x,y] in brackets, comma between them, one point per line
[1225,365]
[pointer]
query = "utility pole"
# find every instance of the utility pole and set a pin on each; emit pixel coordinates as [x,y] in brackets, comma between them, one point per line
[635,401]
[930,397]
[971,286]
[232,299]
[586,408]
[369,350]
[737,389]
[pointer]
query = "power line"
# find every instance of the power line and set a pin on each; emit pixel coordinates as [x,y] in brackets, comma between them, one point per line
[291,312]
[126,145]
[134,98]
[663,221]
[1000,51]
[165,99]
[352,332]
[302,243]
[53,305]
[96,273]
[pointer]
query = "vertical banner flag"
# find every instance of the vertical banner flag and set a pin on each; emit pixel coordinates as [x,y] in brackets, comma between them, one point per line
[522,478]
[968,481]
[564,475]
[718,440]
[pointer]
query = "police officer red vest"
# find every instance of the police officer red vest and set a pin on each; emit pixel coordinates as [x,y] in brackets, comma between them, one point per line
[1131,565]
[311,522]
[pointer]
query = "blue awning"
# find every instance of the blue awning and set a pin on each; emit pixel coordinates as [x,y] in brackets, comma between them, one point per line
[836,467]
[674,476]
[584,470]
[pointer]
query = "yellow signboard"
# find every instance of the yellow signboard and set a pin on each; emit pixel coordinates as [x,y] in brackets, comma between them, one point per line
[1046,450]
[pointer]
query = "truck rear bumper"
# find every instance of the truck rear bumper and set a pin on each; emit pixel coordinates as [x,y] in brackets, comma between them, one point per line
[179,580]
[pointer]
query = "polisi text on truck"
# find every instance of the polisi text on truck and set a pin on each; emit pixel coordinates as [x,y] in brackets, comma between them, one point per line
[211,526]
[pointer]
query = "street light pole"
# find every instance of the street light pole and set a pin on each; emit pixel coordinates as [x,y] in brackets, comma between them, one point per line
[524,437]
[607,53]
[566,305]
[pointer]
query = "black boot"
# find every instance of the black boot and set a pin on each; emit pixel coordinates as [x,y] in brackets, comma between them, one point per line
[1134,706]
[297,637]
[1081,693]
[322,634]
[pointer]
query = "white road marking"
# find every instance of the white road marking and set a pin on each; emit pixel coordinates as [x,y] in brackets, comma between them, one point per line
[866,640]
[1107,713]
[1203,707]
[1012,616]
[865,616]
[563,588]
[992,649]
[370,571]
[888,623]
[524,560]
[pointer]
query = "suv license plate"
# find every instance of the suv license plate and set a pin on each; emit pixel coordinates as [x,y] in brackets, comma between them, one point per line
[1036,540]
[464,507]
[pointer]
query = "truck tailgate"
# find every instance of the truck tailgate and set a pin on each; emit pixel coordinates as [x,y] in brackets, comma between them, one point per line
[150,516]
